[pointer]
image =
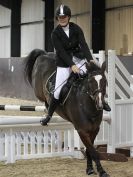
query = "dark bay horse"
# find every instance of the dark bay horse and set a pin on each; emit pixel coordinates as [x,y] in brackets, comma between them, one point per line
[83,108]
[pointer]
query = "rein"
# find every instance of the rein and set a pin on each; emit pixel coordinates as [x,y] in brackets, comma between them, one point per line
[96,91]
[92,95]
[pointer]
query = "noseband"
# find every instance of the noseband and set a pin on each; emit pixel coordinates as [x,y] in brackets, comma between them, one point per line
[94,93]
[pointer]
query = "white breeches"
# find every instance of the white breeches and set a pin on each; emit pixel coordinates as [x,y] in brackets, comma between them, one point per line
[63,74]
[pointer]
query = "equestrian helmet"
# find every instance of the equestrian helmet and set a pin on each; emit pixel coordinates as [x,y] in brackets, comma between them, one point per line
[63,10]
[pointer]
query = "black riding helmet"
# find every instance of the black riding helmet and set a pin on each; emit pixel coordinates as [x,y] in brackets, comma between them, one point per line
[62,10]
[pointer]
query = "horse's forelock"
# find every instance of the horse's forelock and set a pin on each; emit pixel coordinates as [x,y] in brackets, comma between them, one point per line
[93,68]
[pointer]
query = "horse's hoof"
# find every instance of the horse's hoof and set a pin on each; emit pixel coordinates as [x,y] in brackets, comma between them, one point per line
[89,171]
[104,175]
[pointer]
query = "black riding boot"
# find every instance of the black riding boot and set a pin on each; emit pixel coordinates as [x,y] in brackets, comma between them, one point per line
[106,107]
[52,106]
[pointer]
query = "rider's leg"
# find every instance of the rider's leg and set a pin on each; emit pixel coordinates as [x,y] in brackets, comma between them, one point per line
[62,75]
[61,79]
[52,106]
[106,107]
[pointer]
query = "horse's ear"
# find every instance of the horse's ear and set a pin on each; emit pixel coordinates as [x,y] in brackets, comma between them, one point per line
[88,66]
[103,67]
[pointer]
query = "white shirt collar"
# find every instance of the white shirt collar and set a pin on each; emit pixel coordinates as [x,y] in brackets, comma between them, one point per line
[66,27]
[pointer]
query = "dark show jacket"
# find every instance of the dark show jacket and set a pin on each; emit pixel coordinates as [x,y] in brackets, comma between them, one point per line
[67,47]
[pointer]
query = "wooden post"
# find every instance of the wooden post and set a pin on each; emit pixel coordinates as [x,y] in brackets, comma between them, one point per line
[131,148]
[111,99]
[101,56]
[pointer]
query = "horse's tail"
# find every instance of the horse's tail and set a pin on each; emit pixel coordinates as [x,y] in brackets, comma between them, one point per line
[30,61]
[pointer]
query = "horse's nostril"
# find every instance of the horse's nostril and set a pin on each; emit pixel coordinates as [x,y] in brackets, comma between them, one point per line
[99,108]
[99,105]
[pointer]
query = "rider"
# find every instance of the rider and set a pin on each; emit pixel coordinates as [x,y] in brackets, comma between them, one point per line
[72,52]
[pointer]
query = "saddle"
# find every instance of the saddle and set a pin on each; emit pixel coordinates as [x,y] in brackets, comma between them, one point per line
[66,89]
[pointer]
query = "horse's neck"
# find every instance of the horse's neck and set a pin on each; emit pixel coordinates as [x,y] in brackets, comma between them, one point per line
[84,86]
[83,91]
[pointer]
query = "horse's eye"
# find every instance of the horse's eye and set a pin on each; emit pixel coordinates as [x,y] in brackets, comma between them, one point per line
[103,83]
[93,84]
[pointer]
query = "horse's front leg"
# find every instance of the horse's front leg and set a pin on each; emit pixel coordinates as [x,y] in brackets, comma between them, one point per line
[85,137]
[89,169]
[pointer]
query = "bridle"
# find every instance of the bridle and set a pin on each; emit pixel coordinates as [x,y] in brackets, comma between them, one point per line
[94,93]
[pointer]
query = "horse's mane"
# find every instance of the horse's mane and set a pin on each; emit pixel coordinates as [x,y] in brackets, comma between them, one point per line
[93,68]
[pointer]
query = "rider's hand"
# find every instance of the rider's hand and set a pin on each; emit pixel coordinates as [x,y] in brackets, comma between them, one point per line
[75,69]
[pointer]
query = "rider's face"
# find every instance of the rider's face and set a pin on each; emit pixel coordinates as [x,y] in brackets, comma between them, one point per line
[63,20]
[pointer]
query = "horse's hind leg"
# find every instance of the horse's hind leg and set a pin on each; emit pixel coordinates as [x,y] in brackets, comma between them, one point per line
[86,139]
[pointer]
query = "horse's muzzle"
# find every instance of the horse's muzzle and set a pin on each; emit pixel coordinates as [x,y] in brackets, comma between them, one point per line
[99,107]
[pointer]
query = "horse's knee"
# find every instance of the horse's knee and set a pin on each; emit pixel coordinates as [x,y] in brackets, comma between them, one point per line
[85,137]
[82,132]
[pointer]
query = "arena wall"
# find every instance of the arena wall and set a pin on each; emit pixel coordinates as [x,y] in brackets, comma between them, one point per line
[5,15]
[32,26]
[12,79]
[119,26]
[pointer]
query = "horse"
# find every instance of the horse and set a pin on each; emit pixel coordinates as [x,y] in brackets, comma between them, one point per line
[84,106]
